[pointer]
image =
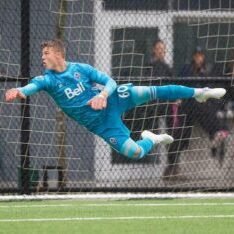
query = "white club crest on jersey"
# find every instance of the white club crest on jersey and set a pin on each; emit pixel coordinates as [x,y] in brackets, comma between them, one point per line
[59,84]
[76,75]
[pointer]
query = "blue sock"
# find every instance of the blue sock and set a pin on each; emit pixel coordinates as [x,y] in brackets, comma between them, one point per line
[171,92]
[143,94]
[146,146]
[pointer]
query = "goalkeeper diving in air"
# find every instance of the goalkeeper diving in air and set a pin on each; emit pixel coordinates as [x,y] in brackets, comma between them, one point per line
[73,88]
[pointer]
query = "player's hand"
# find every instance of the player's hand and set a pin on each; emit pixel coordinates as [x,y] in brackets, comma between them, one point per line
[13,94]
[98,102]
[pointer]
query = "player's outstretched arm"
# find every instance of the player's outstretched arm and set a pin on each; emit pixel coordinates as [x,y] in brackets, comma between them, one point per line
[22,92]
[13,94]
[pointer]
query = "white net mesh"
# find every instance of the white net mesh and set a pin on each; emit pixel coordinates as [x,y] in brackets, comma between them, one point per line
[119,40]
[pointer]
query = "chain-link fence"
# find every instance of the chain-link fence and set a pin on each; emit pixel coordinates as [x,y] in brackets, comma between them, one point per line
[144,42]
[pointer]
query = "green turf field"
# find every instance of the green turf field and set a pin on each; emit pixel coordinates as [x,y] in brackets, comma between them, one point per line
[117,217]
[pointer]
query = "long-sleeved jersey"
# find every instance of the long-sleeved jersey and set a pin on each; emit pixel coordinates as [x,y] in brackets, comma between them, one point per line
[72,89]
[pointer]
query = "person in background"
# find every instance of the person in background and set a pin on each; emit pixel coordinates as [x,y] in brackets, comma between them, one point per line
[171,111]
[198,66]
[215,127]
[160,67]
[182,115]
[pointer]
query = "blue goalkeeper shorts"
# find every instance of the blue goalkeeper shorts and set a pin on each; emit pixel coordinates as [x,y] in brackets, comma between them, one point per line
[113,130]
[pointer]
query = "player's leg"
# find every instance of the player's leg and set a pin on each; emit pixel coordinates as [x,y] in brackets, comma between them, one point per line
[143,94]
[139,149]
[131,96]
[118,137]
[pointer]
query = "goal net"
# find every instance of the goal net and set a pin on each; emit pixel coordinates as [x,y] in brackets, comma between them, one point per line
[140,42]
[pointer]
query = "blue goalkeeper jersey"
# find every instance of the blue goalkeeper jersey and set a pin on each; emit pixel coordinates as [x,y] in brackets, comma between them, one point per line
[72,89]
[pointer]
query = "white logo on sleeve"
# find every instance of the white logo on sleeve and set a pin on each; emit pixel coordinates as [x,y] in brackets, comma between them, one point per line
[75,92]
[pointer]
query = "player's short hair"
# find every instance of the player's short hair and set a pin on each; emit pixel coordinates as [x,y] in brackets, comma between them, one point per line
[57,44]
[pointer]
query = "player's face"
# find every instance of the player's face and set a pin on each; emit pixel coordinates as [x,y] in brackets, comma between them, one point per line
[159,51]
[50,58]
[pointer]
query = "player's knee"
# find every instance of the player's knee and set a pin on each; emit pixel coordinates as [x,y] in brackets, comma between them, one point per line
[136,154]
[131,150]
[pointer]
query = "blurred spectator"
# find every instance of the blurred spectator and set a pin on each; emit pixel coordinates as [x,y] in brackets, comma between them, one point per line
[162,69]
[197,67]
[181,116]
[204,114]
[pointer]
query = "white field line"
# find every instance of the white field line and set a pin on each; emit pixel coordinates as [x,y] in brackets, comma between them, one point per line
[35,206]
[119,218]
[163,204]
[116,196]
[119,205]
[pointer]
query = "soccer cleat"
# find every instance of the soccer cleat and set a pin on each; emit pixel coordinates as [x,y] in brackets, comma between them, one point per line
[157,139]
[207,93]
